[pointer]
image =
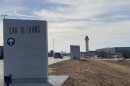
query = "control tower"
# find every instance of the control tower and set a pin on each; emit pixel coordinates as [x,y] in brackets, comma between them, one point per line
[87,44]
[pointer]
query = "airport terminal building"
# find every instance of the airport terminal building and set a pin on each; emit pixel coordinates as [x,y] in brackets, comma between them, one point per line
[114,50]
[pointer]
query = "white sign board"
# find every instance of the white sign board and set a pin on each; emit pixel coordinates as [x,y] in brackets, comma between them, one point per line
[75,52]
[25,50]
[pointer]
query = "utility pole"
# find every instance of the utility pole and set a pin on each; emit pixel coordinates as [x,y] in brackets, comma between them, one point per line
[4,16]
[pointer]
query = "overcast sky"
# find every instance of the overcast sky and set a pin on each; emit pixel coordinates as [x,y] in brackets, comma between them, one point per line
[105,22]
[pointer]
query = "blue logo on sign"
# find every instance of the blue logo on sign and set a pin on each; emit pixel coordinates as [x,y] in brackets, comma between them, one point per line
[10,41]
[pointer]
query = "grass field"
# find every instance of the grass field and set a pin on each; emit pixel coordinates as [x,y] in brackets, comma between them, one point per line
[88,72]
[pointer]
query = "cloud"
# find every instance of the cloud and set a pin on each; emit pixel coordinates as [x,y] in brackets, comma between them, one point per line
[106,22]
[101,20]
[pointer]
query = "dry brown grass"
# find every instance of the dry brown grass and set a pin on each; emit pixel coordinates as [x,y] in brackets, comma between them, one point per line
[92,73]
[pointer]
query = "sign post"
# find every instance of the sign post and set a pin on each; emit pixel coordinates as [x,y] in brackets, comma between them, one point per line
[25,50]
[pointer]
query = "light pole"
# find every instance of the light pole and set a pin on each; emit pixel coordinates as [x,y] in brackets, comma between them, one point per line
[53,46]
[4,16]
[53,43]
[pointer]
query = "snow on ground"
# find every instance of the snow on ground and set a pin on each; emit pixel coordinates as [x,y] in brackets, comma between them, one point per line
[51,60]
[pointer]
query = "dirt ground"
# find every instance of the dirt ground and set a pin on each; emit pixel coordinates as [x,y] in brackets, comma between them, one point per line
[88,72]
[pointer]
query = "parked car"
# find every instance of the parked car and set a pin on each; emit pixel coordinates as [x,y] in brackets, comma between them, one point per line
[58,55]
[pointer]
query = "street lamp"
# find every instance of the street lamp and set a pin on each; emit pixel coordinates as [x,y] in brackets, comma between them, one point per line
[4,16]
[53,43]
[53,46]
